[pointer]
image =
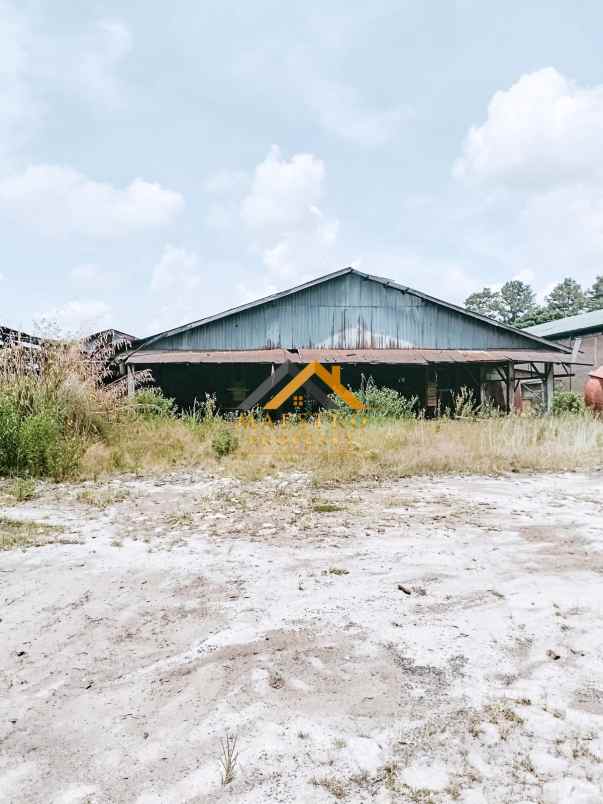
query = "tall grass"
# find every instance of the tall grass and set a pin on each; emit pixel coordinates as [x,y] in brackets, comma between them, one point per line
[53,403]
[58,418]
[333,449]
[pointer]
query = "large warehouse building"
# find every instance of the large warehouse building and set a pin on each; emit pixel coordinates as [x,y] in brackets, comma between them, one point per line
[367,325]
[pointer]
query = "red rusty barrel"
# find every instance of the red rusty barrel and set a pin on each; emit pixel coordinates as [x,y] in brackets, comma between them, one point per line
[593,390]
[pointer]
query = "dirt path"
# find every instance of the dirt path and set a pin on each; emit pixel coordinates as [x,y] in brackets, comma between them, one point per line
[428,640]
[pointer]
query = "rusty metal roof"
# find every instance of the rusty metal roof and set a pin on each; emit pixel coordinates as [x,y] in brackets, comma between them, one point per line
[229,330]
[421,357]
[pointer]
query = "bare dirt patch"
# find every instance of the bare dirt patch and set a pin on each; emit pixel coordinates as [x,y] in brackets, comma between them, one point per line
[427,640]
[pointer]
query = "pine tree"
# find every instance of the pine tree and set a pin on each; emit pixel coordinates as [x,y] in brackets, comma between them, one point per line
[515,302]
[594,296]
[484,301]
[566,299]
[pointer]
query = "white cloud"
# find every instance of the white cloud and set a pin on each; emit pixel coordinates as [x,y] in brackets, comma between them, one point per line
[75,318]
[177,271]
[543,132]
[92,277]
[341,111]
[35,66]
[536,166]
[226,181]
[100,53]
[176,281]
[58,200]
[281,213]
[449,280]
[19,111]
[248,293]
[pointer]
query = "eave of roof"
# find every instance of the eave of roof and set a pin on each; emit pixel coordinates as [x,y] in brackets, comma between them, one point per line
[348,356]
[335,274]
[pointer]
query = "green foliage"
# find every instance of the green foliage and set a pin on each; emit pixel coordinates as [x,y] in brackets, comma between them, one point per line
[510,305]
[24,488]
[568,402]
[150,403]
[463,404]
[594,296]
[51,405]
[566,299]
[224,442]
[383,402]
[484,302]
[515,302]
[201,411]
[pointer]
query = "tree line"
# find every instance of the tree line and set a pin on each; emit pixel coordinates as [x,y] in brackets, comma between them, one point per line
[515,302]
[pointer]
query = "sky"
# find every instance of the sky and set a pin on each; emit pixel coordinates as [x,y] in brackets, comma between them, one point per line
[164,162]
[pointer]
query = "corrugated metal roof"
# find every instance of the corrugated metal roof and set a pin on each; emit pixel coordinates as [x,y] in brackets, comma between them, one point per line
[350,356]
[565,326]
[252,306]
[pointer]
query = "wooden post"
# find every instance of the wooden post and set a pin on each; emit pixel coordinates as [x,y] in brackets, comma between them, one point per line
[510,387]
[131,383]
[548,387]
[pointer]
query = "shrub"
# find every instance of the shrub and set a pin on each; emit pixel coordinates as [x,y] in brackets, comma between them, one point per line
[150,403]
[52,404]
[23,489]
[379,402]
[224,441]
[567,402]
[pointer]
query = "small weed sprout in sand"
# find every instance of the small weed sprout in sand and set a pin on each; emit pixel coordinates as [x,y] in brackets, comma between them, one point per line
[331,784]
[325,507]
[276,680]
[229,757]
[102,499]
[15,534]
[24,488]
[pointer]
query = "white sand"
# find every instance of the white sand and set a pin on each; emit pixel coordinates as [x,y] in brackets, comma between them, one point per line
[201,605]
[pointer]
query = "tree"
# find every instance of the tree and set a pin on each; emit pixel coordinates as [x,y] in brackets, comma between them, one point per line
[483,301]
[594,296]
[537,315]
[567,298]
[515,302]
[510,305]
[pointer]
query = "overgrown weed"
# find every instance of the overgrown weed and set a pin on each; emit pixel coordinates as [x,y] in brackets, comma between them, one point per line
[335,450]
[17,534]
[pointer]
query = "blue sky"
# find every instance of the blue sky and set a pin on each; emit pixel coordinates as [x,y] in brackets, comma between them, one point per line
[159,163]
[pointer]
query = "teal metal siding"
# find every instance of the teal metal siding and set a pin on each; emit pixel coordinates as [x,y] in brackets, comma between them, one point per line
[346,312]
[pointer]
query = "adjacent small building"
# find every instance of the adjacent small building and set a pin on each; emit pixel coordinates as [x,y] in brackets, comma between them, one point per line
[583,334]
[369,326]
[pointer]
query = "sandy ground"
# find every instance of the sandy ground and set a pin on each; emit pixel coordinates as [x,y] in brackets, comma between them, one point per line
[425,640]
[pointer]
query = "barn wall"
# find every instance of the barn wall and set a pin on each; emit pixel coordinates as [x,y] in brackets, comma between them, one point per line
[347,312]
[591,352]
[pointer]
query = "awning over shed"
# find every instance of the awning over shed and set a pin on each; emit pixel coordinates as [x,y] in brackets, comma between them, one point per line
[350,356]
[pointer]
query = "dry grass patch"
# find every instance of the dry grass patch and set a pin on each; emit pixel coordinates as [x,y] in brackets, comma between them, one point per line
[103,498]
[23,489]
[338,450]
[18,535]
[384,449]
[333,785]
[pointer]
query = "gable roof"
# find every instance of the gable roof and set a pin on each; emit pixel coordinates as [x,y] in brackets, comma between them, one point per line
[565,326]
[334,275]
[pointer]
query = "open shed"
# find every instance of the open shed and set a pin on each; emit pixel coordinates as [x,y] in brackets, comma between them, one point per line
[368,325]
